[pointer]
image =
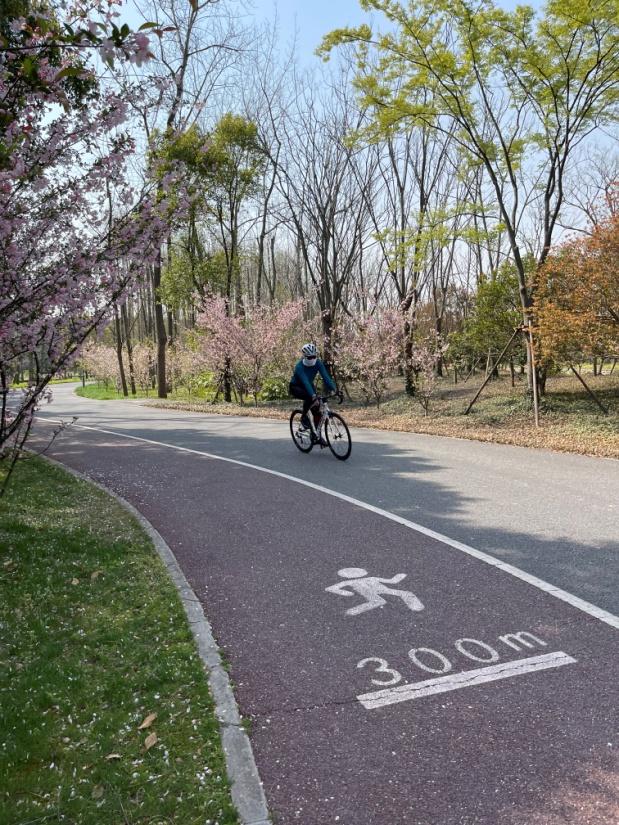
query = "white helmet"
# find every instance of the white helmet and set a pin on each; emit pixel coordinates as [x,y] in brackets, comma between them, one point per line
[309,350]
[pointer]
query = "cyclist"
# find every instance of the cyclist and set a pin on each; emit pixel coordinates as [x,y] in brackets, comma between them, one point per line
[302,381]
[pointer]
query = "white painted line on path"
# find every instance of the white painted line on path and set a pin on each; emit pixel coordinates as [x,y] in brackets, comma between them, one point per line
[540,584]
[443,684]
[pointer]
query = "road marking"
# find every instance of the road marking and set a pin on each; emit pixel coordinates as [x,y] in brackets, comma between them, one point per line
[534,581]
[372,589]
[455,681]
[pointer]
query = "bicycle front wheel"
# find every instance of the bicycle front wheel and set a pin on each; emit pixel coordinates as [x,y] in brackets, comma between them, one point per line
[302,438]
[338,436]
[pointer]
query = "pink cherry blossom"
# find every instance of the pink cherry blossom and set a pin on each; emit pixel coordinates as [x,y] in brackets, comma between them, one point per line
[64,259]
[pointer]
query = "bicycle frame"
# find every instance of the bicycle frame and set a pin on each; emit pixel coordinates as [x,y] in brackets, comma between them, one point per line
[325,412]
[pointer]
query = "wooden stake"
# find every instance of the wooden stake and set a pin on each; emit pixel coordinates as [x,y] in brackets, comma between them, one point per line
[489,375]
[590,391]
[533,376]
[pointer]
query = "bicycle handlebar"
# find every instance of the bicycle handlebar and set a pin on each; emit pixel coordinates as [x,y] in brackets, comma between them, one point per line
[339,395]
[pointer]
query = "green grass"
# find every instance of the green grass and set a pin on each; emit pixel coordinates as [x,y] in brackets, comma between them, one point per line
[102,393]
[93,639]
[22,384]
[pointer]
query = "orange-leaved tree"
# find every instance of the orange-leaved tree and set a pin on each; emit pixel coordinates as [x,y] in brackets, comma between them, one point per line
[577,297]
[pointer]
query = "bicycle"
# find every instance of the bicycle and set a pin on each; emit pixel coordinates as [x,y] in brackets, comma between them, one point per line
[331,430]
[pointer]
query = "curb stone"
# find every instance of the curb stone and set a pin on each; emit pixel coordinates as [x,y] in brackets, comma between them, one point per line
[246,786]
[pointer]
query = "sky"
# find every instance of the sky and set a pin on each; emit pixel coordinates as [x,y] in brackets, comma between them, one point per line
[311,19]
[308,20]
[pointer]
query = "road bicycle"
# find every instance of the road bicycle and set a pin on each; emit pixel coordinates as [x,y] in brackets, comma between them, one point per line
[331,430]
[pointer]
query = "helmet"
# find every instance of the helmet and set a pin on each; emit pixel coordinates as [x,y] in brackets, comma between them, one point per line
[309,350]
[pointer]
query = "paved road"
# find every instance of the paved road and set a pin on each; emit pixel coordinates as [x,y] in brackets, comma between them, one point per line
[554,515]
[451,694]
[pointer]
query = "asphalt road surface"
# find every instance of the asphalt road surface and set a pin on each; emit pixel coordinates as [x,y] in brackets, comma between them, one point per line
[390,677]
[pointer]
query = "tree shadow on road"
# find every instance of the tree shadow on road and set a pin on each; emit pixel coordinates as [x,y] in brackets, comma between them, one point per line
[399,480]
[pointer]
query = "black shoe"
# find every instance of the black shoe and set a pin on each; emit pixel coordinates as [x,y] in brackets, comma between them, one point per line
[305,425]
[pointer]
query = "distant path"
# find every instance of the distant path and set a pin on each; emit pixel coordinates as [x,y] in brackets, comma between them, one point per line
[553,515]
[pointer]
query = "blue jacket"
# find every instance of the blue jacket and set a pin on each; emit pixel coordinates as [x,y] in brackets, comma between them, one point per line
[305,376]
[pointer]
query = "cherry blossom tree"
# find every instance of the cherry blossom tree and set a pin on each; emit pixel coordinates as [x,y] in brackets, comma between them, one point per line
[425,355]
[370,349]
[144,361]
[187,364]
[74,235]
[248,346]
[100,361]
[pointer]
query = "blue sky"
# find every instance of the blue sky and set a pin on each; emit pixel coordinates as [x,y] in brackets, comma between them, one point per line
[311,19]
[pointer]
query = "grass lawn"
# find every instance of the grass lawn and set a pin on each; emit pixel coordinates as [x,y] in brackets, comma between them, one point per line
[106,714]
[570,421]
[102,393]
[23,384]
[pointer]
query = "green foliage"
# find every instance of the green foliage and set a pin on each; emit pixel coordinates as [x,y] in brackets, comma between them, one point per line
[227,159]
[497,310]
[14,8]
[222,169]
[187,276]
[495,315]
[189,148]
[451,50]
[235,154]
[275,389]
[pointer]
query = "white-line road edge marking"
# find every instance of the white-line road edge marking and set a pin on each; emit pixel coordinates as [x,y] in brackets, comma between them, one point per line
[540,584]
[455,681]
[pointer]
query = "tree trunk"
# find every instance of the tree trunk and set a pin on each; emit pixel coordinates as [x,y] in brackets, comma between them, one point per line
[129,344]
[409,372]
[160,331]
[273,281]
[119,352]
[439,335]
[327,332]
[260,268]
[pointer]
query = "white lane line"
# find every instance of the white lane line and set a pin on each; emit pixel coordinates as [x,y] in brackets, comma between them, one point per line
[540,584]
[443,684]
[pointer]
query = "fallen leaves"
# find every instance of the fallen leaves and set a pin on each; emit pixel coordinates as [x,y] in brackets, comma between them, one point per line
[150,740]
[148,721]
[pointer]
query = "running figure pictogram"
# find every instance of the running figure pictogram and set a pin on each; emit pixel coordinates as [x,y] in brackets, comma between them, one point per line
[372,589]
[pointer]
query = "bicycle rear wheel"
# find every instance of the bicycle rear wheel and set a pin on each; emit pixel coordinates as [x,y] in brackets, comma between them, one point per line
[302,437]
[338,436]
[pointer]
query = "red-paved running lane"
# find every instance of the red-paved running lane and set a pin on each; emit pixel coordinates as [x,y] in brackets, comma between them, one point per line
[531,748]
